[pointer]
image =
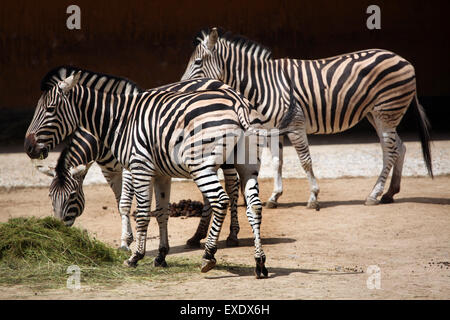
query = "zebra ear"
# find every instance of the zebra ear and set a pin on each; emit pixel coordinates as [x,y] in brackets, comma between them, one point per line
[48,171]
[78,171]
[67,84]
[212,39]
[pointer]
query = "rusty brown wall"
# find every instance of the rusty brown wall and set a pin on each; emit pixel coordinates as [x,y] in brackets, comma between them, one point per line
[150,41]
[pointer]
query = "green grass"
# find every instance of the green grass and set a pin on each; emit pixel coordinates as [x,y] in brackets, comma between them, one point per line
[37,253]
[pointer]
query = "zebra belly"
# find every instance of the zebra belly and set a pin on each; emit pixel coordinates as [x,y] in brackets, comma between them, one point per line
[330,129]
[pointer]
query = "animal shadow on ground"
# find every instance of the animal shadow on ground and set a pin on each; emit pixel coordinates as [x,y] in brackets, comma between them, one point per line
[330,204]
[246,271]
[243,270]
[323,204]
[243,242]
[426,200]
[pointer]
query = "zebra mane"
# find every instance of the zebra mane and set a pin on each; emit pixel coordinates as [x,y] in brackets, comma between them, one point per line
[60,169]
[235,39]
[100,81]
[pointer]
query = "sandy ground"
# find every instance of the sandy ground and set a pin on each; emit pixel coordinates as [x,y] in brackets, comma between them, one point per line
[310,255]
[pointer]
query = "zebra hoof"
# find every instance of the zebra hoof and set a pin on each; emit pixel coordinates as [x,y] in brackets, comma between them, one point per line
[260,269]
[271,204]
[232,242]
[371,201]
[130,264]
[160,262]
[387,199]
[207,264]
[124,248]
[313,205]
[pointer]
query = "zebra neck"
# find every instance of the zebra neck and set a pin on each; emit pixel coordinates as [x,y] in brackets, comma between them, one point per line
[83,148]
[104,117]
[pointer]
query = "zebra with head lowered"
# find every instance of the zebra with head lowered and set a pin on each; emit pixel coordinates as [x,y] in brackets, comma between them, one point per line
[66,188]
[331,94]
[66,191]
[156,135]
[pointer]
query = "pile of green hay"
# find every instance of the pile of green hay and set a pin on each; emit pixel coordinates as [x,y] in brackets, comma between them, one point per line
[38,252]
[42,241]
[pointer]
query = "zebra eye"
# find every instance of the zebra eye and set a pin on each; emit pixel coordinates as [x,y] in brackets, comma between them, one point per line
[198,62]
[50,109]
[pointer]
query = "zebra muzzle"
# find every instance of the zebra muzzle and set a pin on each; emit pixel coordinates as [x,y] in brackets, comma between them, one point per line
[33,149]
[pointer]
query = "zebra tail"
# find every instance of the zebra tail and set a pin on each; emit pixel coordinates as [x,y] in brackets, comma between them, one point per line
[290,114]
[424,132]
[284,126]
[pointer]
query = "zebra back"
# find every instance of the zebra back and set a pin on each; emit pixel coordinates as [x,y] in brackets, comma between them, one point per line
[103,82]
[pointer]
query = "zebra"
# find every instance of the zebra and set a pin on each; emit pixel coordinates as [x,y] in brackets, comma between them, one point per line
[156,135]
[66,189]
[67,192]
[331,95]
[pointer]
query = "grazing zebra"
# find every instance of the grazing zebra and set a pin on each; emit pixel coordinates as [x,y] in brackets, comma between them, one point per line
[156,135]
[67,192]
[331,94]
[66,188]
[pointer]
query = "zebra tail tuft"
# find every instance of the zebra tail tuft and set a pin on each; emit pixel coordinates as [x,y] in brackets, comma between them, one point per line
[290,114]
[424,133]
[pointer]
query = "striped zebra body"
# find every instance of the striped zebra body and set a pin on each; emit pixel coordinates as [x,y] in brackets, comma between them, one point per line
[121,182]
[156,135]
[331,95]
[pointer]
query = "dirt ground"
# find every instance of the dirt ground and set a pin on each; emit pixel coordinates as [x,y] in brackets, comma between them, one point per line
[323,254]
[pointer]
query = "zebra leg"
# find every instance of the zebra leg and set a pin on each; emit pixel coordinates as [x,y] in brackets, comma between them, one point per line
[202,229]
[276,149]
[391,151]
[120,182]
[249,175]
[232,189]
[142,184]
[300,142]
[209,184]
[126,199]
[394,187]
[162,197]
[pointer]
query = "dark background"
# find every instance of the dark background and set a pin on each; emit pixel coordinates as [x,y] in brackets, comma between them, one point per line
[150,43]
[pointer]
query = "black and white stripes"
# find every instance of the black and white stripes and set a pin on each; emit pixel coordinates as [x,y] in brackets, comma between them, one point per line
[156,135]
[331,94]
[84,148]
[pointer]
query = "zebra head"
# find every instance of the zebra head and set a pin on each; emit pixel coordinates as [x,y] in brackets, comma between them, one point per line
[55,117]
[204,61]
[66,192]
